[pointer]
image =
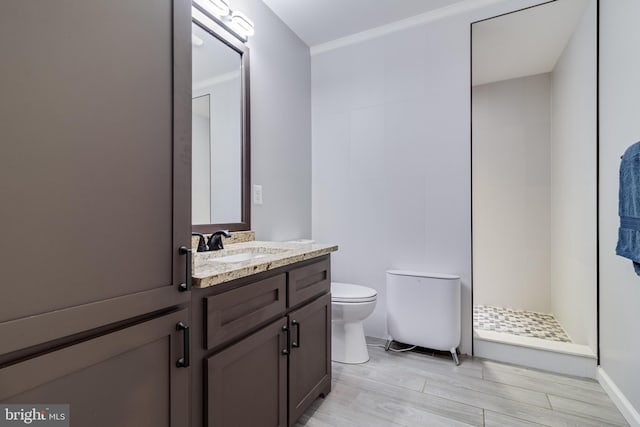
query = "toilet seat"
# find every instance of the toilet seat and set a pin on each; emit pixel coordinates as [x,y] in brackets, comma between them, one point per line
[351,294]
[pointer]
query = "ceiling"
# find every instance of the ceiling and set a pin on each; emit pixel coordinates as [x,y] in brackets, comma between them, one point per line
[525,43]
[321,21]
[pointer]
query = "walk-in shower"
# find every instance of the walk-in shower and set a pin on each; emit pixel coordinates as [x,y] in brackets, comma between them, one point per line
[534,180]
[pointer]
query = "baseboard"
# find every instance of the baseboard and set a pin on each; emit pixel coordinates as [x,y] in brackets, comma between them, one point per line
[622,403]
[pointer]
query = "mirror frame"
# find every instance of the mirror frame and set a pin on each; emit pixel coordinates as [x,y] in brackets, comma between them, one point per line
[212,25]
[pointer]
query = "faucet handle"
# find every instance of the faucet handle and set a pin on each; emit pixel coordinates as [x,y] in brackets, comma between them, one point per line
[202,246]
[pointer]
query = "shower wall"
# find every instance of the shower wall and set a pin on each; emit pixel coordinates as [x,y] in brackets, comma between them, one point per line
[573,184]
[534,189]
[511,193]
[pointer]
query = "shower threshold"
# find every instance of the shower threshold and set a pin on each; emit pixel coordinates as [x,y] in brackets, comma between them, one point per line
[529,339]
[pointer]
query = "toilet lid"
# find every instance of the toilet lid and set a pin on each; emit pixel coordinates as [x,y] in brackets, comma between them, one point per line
[346,292]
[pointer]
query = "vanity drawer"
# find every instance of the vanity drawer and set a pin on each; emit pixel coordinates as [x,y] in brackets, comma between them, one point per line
[233,313]
[309,281]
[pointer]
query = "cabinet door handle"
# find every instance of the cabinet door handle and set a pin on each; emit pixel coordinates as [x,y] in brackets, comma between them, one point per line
[183,362]
[296,343]
[186,286]
[285,329]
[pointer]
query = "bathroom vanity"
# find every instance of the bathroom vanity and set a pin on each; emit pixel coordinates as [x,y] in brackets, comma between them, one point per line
[261,333]
[260,328]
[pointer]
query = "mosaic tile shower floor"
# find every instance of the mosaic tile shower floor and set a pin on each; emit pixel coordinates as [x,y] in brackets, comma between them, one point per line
[518,322]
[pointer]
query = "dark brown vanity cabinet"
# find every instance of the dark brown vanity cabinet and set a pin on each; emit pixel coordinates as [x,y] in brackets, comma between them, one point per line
[126,378]
[95,130]
[264,360]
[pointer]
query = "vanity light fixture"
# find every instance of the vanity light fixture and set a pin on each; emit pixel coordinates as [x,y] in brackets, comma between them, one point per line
[219,8]
[219,11]
[241,24]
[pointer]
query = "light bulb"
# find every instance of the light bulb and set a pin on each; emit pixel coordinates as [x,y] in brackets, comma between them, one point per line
[219,8]
[241,24]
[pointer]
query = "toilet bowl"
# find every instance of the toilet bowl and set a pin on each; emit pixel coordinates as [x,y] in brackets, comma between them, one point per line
[350,305]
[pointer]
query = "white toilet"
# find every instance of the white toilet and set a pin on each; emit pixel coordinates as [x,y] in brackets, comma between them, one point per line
[350,305]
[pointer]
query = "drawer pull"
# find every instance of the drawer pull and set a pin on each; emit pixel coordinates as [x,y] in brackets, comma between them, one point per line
[183,362]
[296,343]
[286,350]
[186,286]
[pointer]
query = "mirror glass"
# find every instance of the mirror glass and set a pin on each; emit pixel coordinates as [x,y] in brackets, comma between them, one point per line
[534,171]
[217,145]
[201,162]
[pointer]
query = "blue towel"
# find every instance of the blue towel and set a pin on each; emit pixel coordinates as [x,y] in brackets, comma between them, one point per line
[629,206]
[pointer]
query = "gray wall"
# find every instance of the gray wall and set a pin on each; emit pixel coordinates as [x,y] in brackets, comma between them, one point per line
[619,128]
[280,126]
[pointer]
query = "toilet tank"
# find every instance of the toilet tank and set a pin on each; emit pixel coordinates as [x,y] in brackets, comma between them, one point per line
[423,309]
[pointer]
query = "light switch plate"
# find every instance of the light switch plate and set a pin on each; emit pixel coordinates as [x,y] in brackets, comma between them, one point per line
[257,194]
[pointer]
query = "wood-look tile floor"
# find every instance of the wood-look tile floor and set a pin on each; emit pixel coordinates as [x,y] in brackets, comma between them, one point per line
[412,389]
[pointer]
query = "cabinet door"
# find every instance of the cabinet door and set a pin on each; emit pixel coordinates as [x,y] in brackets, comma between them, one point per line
[94,163]
[310,359]
[127,378]
[246,384]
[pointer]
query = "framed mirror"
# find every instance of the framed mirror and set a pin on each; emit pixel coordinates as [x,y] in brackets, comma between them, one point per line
[220,127]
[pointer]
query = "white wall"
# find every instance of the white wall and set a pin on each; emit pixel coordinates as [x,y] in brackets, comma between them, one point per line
[391,165]
[280,125]
[619,128]
[511,170]
[573,184]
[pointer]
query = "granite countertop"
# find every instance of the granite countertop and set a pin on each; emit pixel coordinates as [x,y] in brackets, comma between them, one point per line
[252,257]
